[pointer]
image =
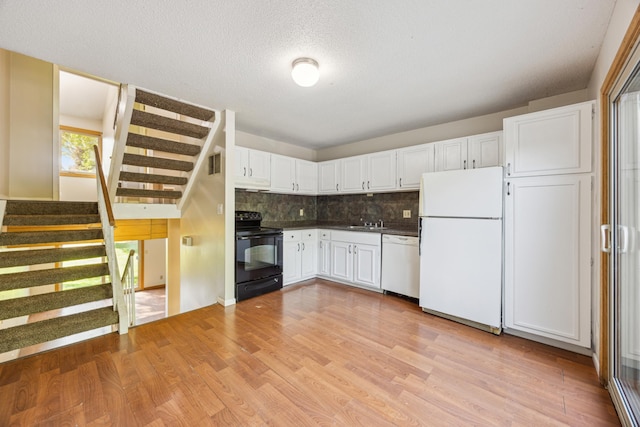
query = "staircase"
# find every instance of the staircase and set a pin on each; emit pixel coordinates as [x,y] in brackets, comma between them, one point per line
[32,278]
[161,144]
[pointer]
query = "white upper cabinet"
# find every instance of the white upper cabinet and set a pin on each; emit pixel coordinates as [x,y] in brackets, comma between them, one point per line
[381,171]
[289,175]
[451,154]
[306,177]
[283,175]
[478,151]
[550,142]
[370,172]
[354,174]
[485,150]
[329,176]
[412,163]
[252,168]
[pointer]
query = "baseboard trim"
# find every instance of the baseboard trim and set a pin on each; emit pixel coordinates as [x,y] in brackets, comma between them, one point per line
[226,302]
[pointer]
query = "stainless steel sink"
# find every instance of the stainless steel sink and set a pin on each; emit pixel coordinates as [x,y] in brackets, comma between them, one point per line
[366,227]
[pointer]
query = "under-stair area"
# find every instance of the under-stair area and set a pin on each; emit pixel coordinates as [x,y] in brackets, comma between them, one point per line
[160,145]
[37,238]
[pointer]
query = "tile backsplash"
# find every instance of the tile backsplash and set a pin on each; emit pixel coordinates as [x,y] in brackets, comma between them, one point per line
[345,209]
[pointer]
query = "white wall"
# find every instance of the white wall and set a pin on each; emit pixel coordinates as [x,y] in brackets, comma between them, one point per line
[155,263]
[622,14]
[202,265]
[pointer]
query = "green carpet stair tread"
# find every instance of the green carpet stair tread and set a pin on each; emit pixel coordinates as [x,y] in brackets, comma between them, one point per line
[164,145]
[43,256]
[47,330]
[27,279]
[166,124]
[50,219]
[54,300]
[152,178]
[156,194]
[50,207]
[37,237]
[156,162]
[173,105]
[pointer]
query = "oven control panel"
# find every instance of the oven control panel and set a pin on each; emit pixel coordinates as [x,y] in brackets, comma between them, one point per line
[248,216]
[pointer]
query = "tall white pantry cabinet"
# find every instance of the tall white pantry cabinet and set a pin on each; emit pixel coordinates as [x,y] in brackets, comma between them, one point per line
[548,221]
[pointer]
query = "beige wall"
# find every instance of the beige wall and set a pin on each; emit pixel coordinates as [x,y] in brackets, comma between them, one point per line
[256,142]
[4,124]
[441,132]
[31,128]
[202,265]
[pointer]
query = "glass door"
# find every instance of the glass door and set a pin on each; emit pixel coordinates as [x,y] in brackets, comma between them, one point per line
[625,279]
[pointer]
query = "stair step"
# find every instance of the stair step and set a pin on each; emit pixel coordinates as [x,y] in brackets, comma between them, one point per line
[50,207]
[166,124]
[156,162]
[155,194]
[27,279]
[173,105]
[58,327]
[50,219]
[38,237]
[152,178]
[43,256]
[164,145]
[54,300]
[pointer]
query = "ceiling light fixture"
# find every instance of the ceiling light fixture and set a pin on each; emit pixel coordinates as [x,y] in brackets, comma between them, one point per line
[305,72]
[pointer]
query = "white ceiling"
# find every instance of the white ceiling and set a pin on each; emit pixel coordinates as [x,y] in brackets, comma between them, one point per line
[386,66]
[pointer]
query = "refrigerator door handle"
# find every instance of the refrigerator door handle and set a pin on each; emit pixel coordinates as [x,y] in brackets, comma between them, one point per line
[508,188]
[605,242]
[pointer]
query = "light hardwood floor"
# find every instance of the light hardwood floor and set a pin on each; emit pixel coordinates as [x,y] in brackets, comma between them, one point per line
[315,353]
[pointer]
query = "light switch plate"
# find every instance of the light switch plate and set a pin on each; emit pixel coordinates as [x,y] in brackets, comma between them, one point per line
[301,212]
[406,213]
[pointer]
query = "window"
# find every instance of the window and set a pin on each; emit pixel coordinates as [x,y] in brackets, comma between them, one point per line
[76,151]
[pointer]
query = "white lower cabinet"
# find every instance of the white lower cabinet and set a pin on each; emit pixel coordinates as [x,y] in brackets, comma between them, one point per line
[299,255]
[324,253]
[355,258]
[548,257]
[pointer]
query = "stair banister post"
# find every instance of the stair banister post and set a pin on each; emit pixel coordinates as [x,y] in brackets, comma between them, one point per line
[125,110]
[107,221]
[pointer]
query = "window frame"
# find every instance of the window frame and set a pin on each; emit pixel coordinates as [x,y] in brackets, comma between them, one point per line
[81,131]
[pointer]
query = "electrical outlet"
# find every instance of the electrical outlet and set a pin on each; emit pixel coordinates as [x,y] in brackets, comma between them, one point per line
[161,277]
[220,209]
[406,213]
[301,212]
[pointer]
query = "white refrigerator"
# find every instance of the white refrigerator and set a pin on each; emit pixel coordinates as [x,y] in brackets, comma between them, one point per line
[461,246]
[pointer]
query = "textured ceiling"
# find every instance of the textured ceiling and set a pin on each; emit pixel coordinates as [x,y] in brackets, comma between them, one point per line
[386,66]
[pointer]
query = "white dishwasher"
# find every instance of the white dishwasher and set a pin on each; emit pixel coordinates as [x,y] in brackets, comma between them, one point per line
[400,265]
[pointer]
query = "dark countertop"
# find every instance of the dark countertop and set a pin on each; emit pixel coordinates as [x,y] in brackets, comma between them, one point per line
[398,230]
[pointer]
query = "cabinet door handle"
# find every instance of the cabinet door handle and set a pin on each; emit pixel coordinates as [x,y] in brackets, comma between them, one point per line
[355,249]
[508,188]
[298,247]
[363,185]
[336,187]
[474,163]
[297,187]
[400,183]
[464,164]
[349,248]
[303,247]
[250,171]
[244,173]
[293,186]
[368,186]
[508,169]
[320,244]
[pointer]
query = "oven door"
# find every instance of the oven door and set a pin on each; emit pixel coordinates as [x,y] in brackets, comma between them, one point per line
[258,257]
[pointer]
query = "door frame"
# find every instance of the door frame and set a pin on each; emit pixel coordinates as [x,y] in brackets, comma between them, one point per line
[625,51]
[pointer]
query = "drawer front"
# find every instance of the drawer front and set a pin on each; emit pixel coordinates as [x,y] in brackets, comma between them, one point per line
[325,234]
[292,235]
[309,234]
